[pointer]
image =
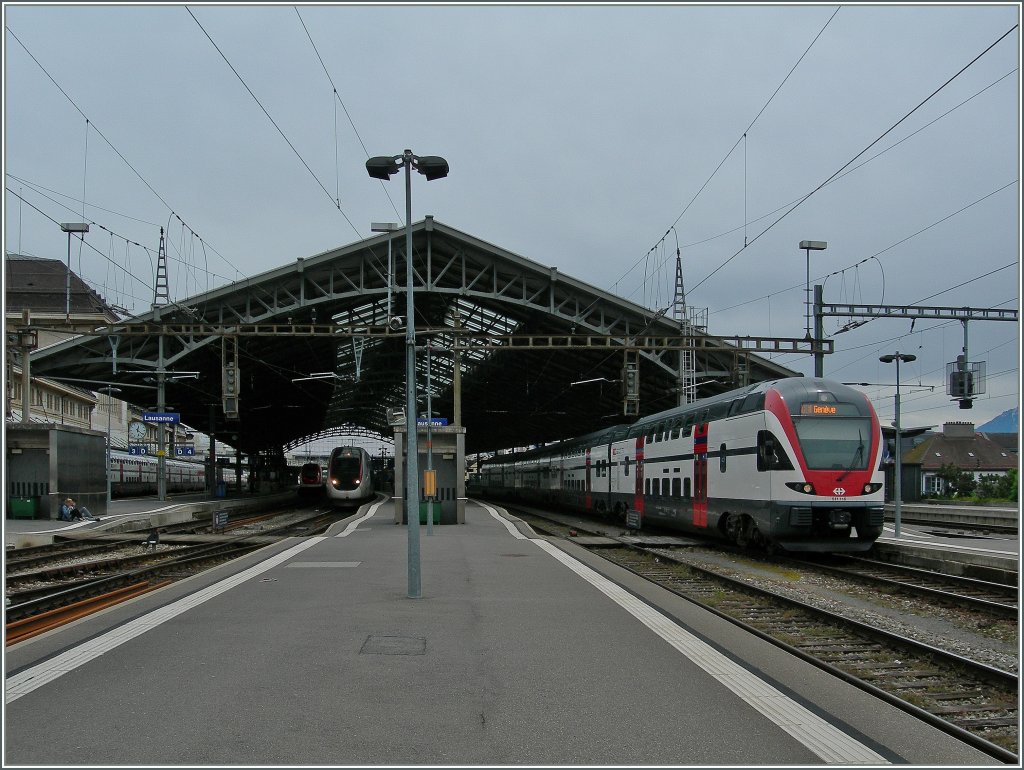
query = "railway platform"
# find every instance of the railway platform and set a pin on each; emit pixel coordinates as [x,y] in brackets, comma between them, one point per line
[520,651]
[137,511]
[955,552]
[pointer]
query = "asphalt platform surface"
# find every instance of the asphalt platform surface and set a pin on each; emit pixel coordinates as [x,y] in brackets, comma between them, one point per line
[519,651]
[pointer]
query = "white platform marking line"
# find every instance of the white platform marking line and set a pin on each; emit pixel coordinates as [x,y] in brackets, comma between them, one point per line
[36,676]
[824,739]
[353,524]
[505,523]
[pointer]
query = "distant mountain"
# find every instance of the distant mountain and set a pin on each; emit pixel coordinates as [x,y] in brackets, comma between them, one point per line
[1004,423]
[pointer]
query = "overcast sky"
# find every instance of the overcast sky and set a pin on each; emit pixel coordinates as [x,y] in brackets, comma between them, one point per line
[589,138]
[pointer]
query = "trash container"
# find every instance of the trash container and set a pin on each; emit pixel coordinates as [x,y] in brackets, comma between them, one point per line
[423,513]
[23,507]
[221,489]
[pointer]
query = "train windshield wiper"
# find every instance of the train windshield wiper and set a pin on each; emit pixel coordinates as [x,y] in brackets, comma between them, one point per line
[859,453]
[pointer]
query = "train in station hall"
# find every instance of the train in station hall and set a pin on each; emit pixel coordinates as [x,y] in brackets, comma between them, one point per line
[311,480]
[350,478]
[136,475]
[792,464]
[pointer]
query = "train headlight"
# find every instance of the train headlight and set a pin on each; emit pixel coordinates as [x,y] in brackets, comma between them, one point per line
[871,488]
[805,487]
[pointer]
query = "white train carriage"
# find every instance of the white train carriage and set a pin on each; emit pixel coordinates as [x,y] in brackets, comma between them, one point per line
[793,463]
[350,479]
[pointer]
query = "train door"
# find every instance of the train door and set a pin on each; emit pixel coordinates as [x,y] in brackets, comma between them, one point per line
[588,500]
[638,486]
[700,475]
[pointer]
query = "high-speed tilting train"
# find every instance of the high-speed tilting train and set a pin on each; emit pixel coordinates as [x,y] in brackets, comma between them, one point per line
[349,476]
[793,464]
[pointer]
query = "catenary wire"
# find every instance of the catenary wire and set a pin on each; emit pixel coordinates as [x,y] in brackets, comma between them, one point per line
[855,157]
[109,143]
[735,145]
[284,136]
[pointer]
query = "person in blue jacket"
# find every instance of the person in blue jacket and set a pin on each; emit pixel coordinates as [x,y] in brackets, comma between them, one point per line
[71,512]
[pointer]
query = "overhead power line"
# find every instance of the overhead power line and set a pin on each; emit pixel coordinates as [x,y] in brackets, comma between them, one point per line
[855,157]
[733,148]
[336,204]
[339,100]
[92,125]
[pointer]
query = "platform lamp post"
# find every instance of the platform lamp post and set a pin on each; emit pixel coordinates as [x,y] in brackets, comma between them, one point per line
[808,247]
[109,389]
[432,167]
[387,227]
[72,227]
[898,491]
[431,493]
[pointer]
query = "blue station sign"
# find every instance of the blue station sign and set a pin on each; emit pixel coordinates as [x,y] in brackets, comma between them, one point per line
[167,417]
[437,422]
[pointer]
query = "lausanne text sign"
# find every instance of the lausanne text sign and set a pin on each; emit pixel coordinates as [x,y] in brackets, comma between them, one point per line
[170,417]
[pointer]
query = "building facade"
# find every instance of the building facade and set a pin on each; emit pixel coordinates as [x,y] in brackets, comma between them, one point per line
[960,447]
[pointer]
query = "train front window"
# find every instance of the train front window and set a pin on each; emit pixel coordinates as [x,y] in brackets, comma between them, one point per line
[835,443]
[345,470]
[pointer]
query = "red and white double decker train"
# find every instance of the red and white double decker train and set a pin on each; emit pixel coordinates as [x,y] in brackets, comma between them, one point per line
[792,463]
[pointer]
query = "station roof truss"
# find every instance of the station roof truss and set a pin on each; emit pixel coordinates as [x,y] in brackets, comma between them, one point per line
[315,350]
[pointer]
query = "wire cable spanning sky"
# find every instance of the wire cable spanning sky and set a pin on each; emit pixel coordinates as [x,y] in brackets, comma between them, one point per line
[577,135]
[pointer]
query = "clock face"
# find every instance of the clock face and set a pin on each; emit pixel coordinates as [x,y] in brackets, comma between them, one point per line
[137,430]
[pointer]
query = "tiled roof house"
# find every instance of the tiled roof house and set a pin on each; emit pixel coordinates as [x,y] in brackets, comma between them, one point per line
[959,446]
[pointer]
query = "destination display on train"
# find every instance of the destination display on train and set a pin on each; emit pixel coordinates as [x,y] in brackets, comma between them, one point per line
[819,409]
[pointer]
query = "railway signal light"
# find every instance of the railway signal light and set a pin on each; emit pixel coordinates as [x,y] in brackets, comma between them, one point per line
[965,380]
[229,391]
[631,389]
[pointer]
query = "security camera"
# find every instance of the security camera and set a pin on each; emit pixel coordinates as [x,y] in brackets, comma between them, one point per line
[396,322]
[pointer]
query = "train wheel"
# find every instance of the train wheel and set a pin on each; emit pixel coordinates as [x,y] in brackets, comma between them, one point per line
[734,528]
[742,530]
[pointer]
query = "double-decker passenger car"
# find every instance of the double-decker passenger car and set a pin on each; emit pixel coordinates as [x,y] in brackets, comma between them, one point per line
[134,475]
[791,463]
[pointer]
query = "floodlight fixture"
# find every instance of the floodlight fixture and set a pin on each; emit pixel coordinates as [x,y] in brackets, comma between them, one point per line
[432,167]
[808,247]
[898,485]
[71,227]
[383,167]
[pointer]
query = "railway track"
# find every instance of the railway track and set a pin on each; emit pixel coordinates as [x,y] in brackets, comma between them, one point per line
[46,597]
[999,599]
[975,701]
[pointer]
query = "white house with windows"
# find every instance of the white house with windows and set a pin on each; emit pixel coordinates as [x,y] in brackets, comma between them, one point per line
[959,446]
